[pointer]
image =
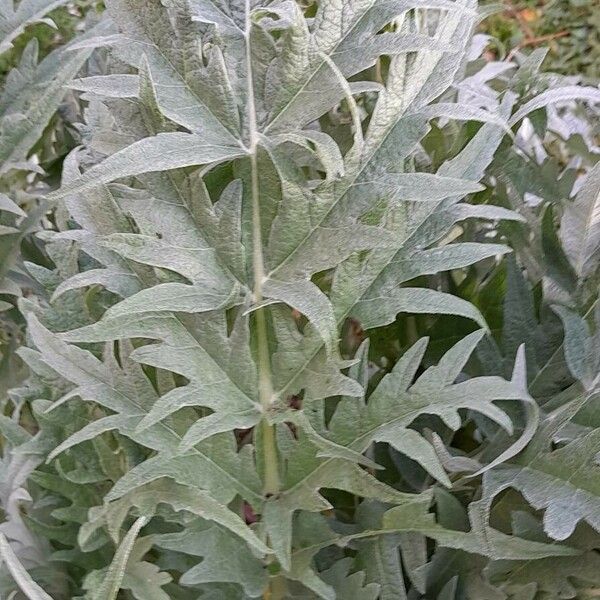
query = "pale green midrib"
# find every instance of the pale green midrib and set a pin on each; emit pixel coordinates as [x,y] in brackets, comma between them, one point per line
[271,482]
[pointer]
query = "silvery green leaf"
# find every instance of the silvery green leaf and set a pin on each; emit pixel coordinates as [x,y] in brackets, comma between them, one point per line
[300,492]
[452,256]
[124,284]
[223,559]
[15,18]
[145,580]
[97,212]
[561,482]
[301,363]
[305,297]
[387,125]
[463,112]
[347,584]
[581,352]
[226,325]
[325,149]
[89,432]
[397,401]
[10,206]
[161,152]
[113,580]
[561,94]
[372,313]
[303,96]
[223,477]
[26,584]
[198,502]
[107,386]
[492,213]
[386,570]
[178,297]
[355,278]
[482,539]
[557,264]
[417,187]
[184,88]
[30,96]
[112,86]
[580,226]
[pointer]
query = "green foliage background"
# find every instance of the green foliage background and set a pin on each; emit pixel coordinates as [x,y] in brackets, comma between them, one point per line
[478,371]
[570,29]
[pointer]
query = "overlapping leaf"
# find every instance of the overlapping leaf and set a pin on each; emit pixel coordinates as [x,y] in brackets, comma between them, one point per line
[253,178]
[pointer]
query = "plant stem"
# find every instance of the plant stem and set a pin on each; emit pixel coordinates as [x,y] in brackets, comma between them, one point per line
[276,589]
[265,386]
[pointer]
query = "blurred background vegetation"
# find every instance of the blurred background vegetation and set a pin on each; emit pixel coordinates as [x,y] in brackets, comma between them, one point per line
[66,21]
[569,28]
